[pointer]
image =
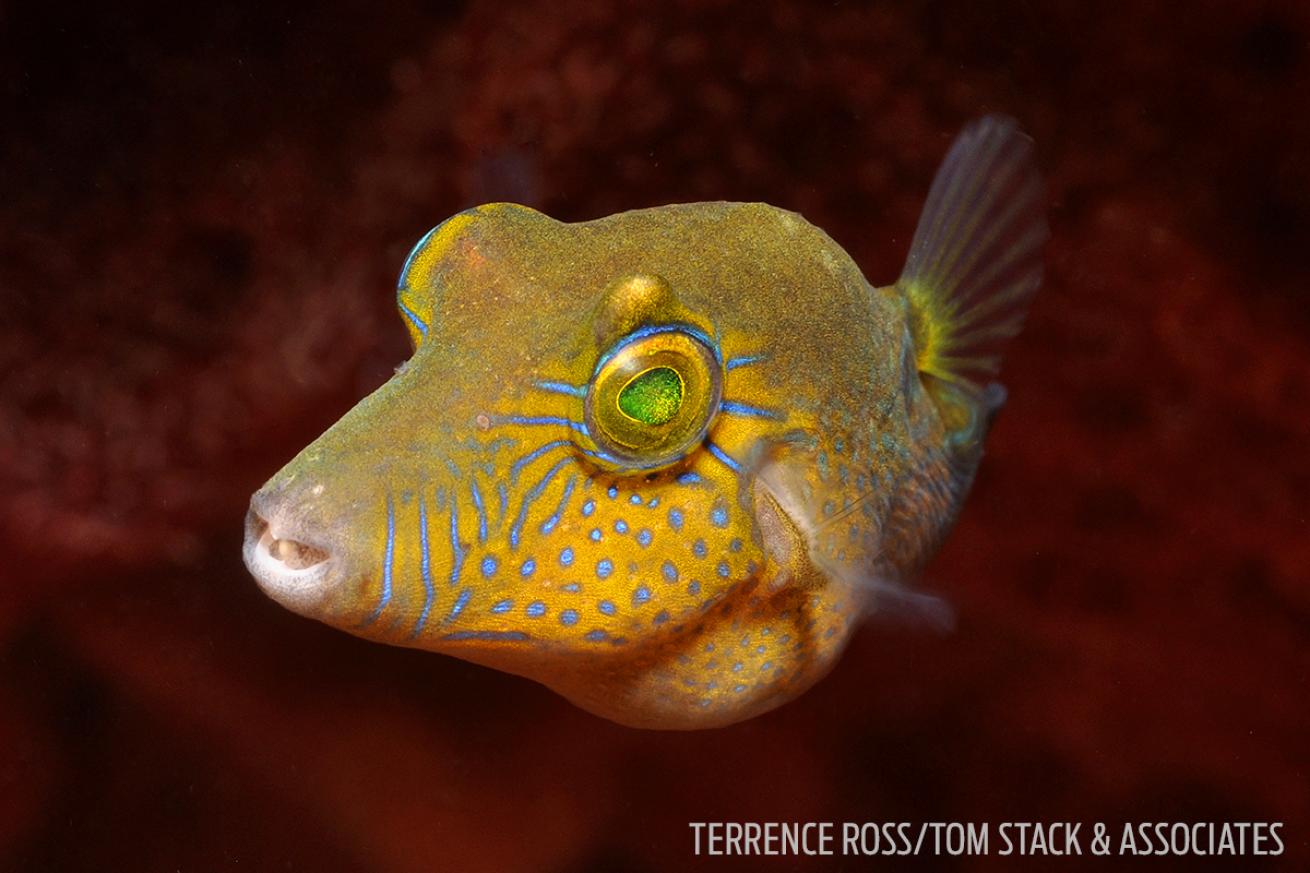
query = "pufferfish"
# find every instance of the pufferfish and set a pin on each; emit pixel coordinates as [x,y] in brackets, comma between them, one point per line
[663,462]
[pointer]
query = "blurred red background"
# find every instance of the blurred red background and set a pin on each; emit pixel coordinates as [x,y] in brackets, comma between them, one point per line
[202,213]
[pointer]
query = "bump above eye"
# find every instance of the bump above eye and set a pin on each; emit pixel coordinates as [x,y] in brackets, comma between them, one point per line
[653,396]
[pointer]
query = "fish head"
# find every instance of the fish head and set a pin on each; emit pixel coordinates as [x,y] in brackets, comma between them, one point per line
[563,472]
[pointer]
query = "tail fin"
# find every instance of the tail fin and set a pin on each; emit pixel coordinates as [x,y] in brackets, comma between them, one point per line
[976,259]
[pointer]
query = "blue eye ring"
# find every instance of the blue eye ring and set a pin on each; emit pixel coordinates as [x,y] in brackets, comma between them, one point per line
[636,444]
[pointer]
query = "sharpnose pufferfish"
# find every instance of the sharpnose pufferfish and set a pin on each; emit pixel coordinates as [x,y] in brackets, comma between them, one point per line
[663,462]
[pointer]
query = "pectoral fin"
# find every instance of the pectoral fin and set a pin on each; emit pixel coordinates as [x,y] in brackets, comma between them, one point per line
[804,549]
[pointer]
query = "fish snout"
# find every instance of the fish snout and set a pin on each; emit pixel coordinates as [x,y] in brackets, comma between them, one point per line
[290,550]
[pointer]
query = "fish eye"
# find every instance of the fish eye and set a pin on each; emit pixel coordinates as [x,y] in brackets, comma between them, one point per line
[653,396]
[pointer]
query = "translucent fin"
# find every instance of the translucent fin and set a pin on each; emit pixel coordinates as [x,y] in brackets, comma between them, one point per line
[889,599]
[976,258]
[797,546]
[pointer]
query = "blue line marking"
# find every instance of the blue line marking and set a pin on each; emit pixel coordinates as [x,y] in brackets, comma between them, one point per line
[652,330]
[549,524]
[502,606]
[517,466]
[517,528]
[388,560]
[598,455]
[502,496]
[460,603]
[579,426]
[409,259]
[456,549]
[412,316]
[732,407]
[688,478]
[425,566]
[488,635]
[743,361]
[563,388]
[482,512]
[723,456]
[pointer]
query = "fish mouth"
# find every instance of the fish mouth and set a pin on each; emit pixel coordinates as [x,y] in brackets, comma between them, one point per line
[291,564]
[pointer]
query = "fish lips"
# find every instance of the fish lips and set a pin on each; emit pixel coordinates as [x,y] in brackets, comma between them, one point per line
[290,555]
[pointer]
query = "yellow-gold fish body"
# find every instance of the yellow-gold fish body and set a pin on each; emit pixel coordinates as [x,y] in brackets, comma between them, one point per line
[665,461]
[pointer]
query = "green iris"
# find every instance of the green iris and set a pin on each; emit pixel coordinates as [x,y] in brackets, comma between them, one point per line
[652,397]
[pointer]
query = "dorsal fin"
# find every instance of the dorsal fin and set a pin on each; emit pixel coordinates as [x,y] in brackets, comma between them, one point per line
[976,258]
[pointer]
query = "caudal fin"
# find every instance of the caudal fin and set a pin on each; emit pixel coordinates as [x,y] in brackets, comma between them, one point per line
[976,258]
